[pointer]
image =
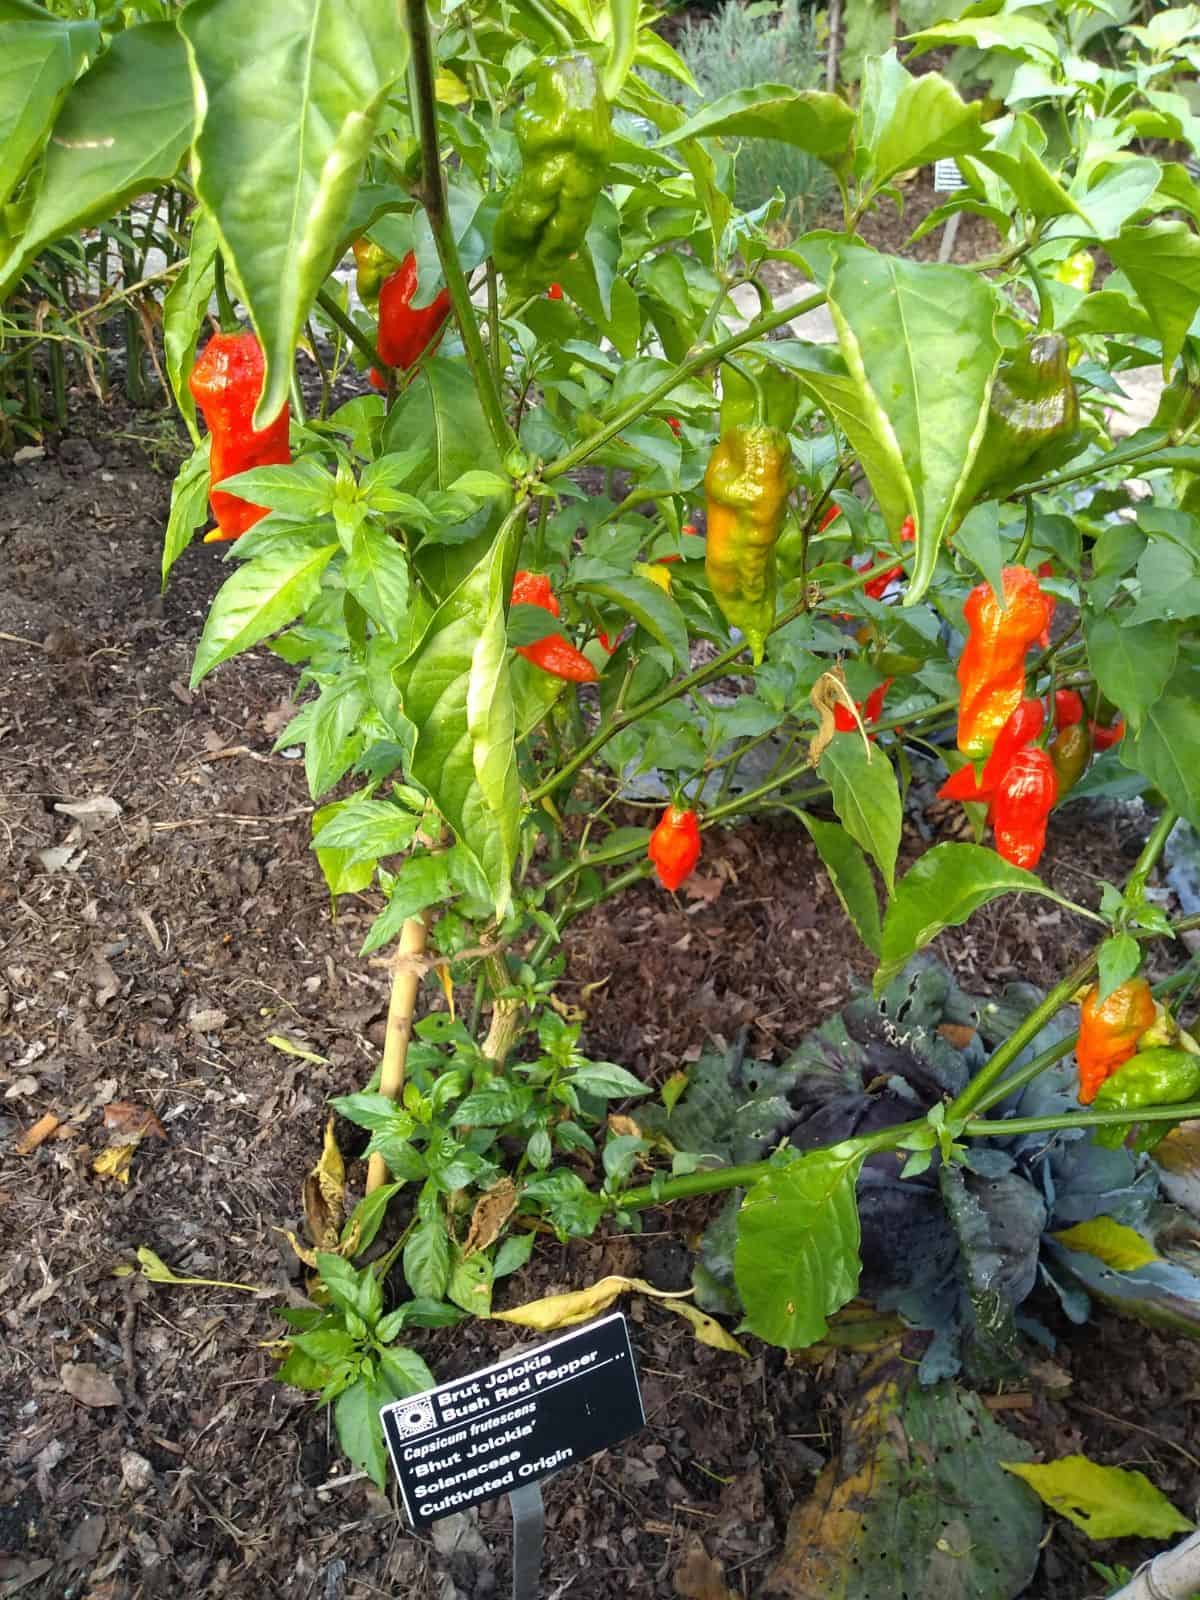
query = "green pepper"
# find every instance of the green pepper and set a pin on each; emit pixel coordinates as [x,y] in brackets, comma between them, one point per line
[1070,751]
[373,264]
[1160,1076]
[739,403]
[564,133]
[1033,418]
[747,483]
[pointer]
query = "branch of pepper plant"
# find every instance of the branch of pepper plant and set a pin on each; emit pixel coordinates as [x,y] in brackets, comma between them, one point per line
[433,197]
[351,329]
[716,668]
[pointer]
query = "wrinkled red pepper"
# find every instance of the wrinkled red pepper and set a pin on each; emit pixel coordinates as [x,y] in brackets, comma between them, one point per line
[553,654]
[991,669]
[674,846]
[225,383]
[1021,729]
[405,333]
[1025,796]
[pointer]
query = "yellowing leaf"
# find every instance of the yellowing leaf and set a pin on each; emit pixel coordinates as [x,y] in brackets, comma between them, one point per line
[115,1161]
[157,1271]
[1106,1502]
[707,1329]
[1109,1241]
[447,983]
[286,1046]
[829,691]
[672,1089]
[450,89]
[324,1195]
[565,1310]
[492,1211]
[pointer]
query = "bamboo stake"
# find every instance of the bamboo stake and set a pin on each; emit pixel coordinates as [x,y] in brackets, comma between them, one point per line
[1173,1575]
[403,1003]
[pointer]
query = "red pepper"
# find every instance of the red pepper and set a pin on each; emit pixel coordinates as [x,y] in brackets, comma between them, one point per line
[1068,708]
[225,383]
[553,654]
[991,669]
[690,527]
[831,515]
[675,425]
[878,586]
[1021,729]
[608,641]
[1104,738]
[554,292]
[1025,797]
[675,846]
[405,334]
[870,709]
[1046,570]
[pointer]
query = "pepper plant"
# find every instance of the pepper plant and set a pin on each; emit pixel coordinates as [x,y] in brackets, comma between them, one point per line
[590,472]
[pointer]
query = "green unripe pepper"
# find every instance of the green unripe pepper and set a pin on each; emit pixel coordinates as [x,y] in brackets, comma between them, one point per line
[747,483]
[564,132]
[1160,1076]
[1033,418]
[780,394]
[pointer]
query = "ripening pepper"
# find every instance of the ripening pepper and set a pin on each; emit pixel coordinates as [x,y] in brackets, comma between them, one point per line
[991,669]
[739,403]
[1025,796]
[747,483]
[564,133]
[1160,1076]
[870,710]
[1021,729]
[1068,708]
[1033,417]
[406,333]
[675,846]
[875,588]
[1105,737]
[225,383]
[1109,1031]
[1070,751]
[553,654]
[373,264]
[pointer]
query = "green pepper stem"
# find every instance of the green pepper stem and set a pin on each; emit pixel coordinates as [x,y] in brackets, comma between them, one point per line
[1014,1127]
[226,314]
[433,196]
[624,14]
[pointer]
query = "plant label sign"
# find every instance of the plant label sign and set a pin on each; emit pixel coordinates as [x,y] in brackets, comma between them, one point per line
[947,179]
[514,1423]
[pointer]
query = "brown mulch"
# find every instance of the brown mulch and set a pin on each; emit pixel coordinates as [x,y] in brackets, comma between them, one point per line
[145,957]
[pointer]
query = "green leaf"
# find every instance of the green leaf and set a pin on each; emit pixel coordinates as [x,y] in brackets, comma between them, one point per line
[796,1261]
[649,607]
[352,1291]
[343,871]
[1165,749]
[1117,1246]
[359,1430]
[1162,262]
[422,881]
[377,576]
[850,876]
[943,889]
[513,1253]
[1132,664]
[457,693]
[907,122]
[866,797]
[1120,957]
[494,1103]
[470,1284]
[607,1081]
[287,97]
[302,489]
[364,828]
[39,57]
[1010,31]
[807,118]
[1106,1502]
[915,422]
[365,1221]
[124,128]
[184,311]
[189,507]
[427,1259]
[260,598]
[404,1372]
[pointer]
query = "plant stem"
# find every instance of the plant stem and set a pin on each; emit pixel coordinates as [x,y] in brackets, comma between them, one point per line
[405,983]
[1115,458]
[351,329]
[1008,1127]
[433,195]
[1135,886]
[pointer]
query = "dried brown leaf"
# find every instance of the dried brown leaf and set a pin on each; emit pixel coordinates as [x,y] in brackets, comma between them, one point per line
[492,1211]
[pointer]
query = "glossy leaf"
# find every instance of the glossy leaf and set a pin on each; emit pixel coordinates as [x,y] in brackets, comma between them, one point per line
[866,797]
[1133,665]
[647,604]
[907,121]
[807,118]
[39,57]
[359,1430]
[287,96]
[260,598]
[850,876]
[124,127]
[1165,749]
[1162,262]
[427,1259]
[184,311]
[377,576]
[796,1260]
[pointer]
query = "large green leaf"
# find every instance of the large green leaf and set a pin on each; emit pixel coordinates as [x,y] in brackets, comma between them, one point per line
[1162,262]
[377,576]
[1165,750]
[907,122]
[124,127]
[1133,665]
[184,311]
[796,1260]
[850,876]
[918,342]
[940,891]
[866,797]
[39,57]
[287,96]
[808,118]
[260,598]
[456,690]
[1013,32]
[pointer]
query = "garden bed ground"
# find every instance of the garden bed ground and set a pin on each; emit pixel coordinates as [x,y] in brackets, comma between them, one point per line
[204,1477]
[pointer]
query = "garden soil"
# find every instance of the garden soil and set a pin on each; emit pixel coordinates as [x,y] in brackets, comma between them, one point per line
[161,921]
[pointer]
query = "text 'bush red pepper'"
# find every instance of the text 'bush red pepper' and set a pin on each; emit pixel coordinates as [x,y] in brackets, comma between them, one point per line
[991,669]
[406,333]
[675,846]
[553,654]
[225,383]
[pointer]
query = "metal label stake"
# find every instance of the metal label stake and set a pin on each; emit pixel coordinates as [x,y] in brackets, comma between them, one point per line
[529,1526]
